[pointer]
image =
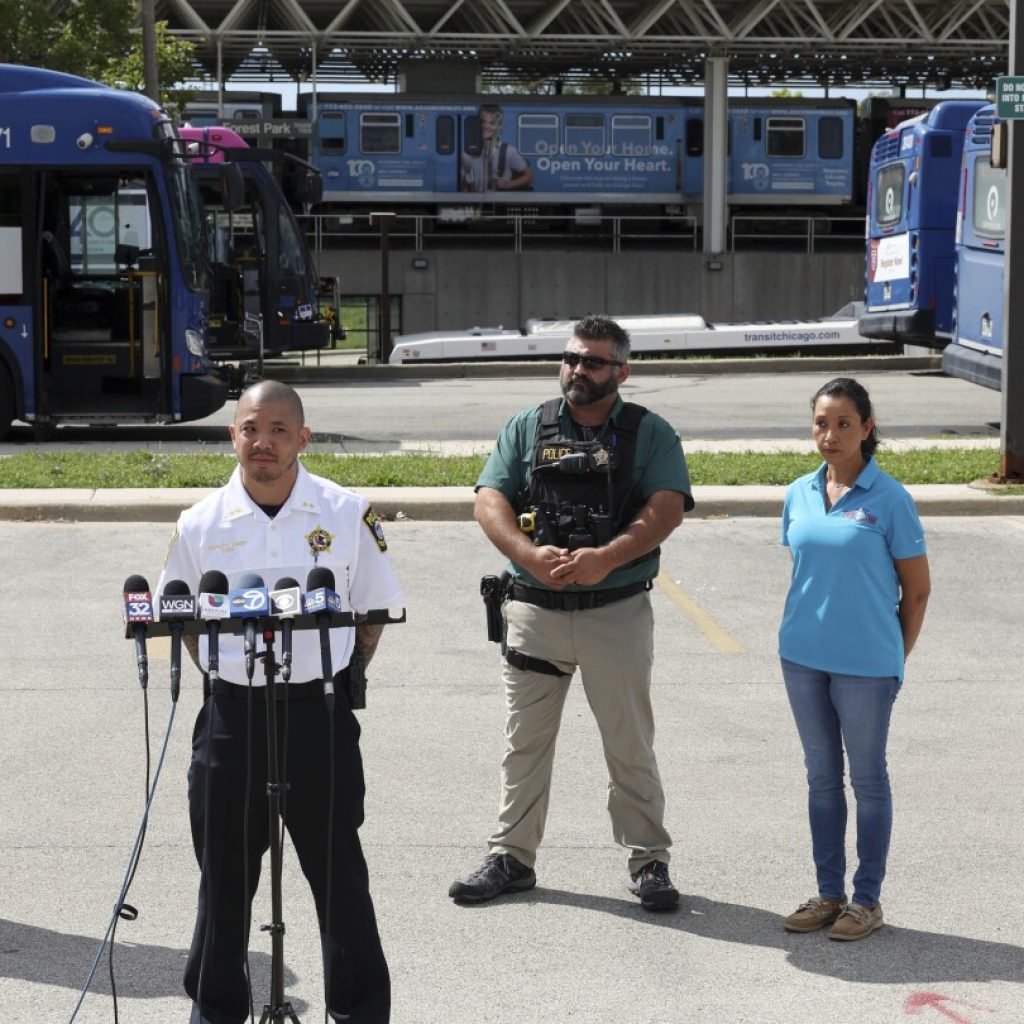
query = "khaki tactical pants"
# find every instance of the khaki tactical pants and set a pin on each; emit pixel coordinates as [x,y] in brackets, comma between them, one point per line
[613,647]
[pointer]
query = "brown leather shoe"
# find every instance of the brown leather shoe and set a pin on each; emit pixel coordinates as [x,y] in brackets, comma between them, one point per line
[856,922]
[814,914]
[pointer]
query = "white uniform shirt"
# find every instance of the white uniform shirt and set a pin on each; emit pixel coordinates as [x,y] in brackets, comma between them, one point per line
[228,531]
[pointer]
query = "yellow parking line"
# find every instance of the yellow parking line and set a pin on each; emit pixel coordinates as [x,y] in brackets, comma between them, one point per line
[720,637]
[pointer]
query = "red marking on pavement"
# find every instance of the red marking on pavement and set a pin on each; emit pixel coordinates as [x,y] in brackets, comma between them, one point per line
[920,1001]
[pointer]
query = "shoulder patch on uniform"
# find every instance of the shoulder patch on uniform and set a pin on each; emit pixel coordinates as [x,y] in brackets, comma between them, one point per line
[376,528]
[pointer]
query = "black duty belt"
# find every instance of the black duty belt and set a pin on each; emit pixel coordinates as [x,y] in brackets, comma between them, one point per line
[575,600]
[296,691]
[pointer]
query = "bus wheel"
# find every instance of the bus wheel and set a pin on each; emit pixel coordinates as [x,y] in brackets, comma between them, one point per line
[6,402]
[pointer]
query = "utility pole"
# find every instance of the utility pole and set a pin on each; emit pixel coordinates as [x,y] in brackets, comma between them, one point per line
[150,70]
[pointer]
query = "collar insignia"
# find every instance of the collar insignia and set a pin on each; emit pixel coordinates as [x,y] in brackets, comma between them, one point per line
[319,541]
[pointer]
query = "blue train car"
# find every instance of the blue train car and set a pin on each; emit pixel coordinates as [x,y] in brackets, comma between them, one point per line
[975,352]
[911,216]
[413,151]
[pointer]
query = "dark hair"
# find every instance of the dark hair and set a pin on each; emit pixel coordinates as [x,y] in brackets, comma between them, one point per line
[493,109]
[847,387]
[603,328]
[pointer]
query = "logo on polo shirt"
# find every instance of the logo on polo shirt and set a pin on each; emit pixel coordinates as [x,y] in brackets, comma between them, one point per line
[860,515]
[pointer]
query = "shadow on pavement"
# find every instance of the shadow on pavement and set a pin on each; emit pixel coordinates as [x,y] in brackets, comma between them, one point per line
[30,953]
[892,955]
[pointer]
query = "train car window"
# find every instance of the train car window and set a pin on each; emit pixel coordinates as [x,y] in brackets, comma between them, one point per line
[410,125]
[694,137]
[584,135]
[538,134]
[380,133]
[889,194]
[940,145]
[830,138]
[445,135]
[631,135]
[472,137]
[331,130]
[659,129]
[989,199]
[785,137]
[757,129]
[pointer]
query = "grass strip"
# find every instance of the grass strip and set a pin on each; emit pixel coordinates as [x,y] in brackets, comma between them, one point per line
[143,469]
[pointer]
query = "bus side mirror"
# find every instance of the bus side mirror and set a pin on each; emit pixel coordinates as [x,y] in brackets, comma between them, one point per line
[1000,144]
[232,187]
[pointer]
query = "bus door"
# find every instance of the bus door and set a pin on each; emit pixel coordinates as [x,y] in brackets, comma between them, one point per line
[235,267]
[103,296]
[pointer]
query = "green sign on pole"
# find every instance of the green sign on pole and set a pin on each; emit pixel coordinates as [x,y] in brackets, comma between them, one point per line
[1010,97]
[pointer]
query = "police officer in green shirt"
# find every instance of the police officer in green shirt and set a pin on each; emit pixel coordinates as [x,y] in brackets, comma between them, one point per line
[578,494]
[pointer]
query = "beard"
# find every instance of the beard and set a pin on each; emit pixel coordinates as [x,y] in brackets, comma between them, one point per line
[583,391]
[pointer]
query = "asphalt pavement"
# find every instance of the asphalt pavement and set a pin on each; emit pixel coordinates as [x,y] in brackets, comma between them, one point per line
[577,948]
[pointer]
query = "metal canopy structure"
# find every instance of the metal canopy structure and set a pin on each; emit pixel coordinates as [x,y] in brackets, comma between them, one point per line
[937,44]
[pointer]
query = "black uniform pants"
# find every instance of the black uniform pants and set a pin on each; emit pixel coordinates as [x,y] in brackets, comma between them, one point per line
[353,959]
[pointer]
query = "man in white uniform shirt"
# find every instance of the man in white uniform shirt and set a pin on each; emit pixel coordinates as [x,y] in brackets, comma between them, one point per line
[275,519]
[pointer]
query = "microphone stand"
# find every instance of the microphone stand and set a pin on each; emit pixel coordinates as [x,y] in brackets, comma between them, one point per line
[278,1009]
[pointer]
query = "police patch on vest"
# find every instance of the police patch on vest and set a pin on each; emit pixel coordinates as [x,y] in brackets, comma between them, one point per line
[376,528]
[319,541]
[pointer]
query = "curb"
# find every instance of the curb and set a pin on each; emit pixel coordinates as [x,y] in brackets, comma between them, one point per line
[455,504]
[542,367]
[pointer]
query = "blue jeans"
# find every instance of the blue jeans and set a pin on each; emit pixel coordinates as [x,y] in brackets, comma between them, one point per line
[834,711]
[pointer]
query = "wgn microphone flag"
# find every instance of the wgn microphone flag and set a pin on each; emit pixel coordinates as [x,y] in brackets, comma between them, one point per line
[137,609]
[213,606]
[177,606]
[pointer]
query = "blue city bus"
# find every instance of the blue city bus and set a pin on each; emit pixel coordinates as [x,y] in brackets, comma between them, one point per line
[103,266]
[263,281]
[911,217]
[417,152]
[975,352]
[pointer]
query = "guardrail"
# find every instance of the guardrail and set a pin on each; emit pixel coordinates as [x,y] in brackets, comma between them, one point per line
[815,233]
[516,230]
[522,230]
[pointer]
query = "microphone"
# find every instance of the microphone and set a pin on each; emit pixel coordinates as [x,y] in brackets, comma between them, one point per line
[138,610]
[213,606]
[321,600]
[177,606]
[248,601]
[286,603]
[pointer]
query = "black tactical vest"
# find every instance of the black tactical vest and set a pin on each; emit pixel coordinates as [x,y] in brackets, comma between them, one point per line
[582,493]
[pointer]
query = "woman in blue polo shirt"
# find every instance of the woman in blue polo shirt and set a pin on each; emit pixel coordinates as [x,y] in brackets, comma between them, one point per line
[855,606]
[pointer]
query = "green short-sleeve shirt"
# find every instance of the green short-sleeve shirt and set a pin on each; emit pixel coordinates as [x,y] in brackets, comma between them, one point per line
[659,465]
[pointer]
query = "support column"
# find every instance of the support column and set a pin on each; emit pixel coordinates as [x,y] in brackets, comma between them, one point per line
[716,111]
[1011,431]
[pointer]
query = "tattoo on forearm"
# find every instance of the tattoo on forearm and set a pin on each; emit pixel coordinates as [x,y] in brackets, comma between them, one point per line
[367,638]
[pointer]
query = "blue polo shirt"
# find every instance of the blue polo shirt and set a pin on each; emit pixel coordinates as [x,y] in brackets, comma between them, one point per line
[841,612]
[658,465]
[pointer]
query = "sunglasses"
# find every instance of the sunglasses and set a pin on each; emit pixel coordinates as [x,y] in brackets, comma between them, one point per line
[574,359]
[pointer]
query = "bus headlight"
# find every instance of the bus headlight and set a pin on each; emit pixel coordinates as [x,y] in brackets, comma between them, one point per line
[195,344]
